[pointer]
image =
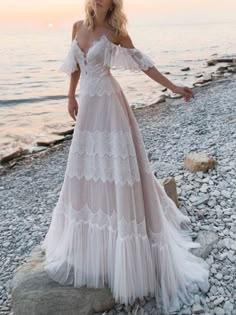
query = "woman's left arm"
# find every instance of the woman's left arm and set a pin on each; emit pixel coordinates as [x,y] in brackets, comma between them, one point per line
[156,75]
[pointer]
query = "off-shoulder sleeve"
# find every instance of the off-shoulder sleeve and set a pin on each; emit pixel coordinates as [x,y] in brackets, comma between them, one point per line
[132,59]
[69,64]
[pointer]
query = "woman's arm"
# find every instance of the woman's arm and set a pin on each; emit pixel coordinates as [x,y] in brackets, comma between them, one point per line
[73,106]
[74,79]
[153,73]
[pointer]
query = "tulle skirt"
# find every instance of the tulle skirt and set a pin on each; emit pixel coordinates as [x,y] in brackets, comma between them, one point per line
[114,223]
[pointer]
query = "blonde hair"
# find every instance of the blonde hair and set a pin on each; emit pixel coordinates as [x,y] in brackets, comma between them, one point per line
[116,18]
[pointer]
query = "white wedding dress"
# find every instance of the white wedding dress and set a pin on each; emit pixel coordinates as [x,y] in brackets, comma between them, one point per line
[113,222]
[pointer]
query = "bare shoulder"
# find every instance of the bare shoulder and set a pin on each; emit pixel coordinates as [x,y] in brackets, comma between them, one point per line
[125,41]
[77,24]
[75,27]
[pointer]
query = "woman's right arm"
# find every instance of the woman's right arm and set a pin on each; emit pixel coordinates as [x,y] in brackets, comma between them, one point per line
[74,79]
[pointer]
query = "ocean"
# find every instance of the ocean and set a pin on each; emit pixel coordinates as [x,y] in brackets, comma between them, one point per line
[33,93]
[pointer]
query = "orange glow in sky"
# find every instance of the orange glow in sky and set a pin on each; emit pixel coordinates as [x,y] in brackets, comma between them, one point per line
[60,12]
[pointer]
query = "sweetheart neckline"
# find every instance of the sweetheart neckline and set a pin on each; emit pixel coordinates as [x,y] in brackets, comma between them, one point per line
[85,54]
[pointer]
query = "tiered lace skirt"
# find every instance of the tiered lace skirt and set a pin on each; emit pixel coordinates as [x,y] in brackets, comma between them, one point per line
[113,222]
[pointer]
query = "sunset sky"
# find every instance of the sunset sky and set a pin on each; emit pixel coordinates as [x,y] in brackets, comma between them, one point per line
[59,13]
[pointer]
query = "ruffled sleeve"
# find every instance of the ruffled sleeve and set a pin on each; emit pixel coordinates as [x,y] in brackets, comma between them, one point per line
[132,59]
[69,64]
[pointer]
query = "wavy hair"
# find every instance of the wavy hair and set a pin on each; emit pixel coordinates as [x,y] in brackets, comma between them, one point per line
[116,18]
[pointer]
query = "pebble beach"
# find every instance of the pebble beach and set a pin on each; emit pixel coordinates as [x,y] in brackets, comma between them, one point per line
[29,190]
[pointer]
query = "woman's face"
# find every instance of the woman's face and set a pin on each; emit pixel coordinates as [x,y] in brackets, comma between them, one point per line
[102,5]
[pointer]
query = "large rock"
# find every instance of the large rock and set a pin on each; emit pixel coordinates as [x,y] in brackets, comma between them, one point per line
[199,161]
[170,188]
[49,140]
[207,240]
[63,132]
[10,154]
[34,293]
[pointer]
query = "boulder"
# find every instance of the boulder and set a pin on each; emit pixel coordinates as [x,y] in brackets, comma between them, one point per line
[34,293]
[49,140]
[11,154]
[199,161]
[170,188]
[206,239]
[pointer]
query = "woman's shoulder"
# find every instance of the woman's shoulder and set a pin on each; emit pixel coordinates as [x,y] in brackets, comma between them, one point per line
[125,41]
[78,23]
[121,39]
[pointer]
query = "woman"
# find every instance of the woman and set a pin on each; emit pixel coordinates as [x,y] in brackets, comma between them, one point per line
[113,222]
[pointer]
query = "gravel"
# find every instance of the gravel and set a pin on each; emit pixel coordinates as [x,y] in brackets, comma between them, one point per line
[29,191]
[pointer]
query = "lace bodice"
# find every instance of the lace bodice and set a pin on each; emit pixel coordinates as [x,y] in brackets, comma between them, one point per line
[95,65]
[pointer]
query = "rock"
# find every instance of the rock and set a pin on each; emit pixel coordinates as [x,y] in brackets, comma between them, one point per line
[186,311]
[211,62]
[49,140]
[6,244]
[228,307]
[232,69]
[33,149]
[200,200]
[230,60]
[170,188]
[219,311]
[222,69]
[63,132]
[200,214]
[199,161]
[33,293]
[197,309]
[218,301]
[161,99]
[214,61]
[10,154]
[199,75]
[204,188]
[68,137]
[207,240]
[204,79]
[219,276]
[225,194]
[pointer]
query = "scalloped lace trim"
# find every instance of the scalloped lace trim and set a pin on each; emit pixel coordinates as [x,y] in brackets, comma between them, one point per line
[115,56]
[107,156]
[113,143]
[132,59]
[112,169]
[69,64]
[124,229]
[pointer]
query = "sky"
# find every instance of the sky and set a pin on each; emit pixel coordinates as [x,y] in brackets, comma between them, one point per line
[57,13]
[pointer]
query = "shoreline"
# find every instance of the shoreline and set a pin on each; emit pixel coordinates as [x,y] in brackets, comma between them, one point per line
[11,155]
[21,157]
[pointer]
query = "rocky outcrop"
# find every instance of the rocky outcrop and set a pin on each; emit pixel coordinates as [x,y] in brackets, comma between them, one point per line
[49,140]
[34,293]
[10,154]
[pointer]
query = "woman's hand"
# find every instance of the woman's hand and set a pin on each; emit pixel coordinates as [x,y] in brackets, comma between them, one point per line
[72,106]
[185,91]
